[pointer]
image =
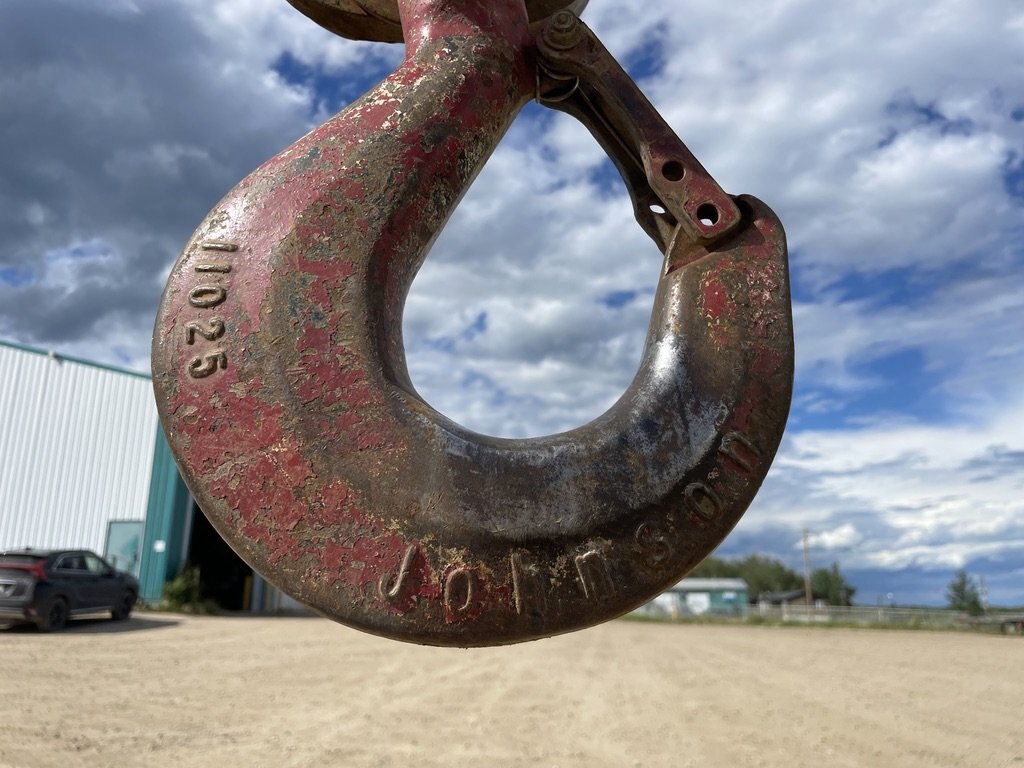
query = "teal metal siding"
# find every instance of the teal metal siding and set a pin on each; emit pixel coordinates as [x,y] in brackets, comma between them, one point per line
[729,602]
[167,517]
[711,597]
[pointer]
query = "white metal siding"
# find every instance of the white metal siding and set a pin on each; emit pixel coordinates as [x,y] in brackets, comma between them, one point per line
[76,448]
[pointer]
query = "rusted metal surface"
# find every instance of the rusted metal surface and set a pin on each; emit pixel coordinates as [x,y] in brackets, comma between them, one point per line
[379,19]
[282,385]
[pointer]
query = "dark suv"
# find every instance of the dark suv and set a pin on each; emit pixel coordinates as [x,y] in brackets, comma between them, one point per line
[48,588]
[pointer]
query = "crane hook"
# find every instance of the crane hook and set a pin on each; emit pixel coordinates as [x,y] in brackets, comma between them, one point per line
[282,386]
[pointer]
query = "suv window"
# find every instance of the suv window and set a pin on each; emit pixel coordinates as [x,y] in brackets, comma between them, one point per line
[71,563]
[95,565]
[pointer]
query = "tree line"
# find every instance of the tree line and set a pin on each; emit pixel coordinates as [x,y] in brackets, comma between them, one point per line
[765,574]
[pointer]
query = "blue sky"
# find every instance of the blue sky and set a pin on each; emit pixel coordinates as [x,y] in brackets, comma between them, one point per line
[888,137]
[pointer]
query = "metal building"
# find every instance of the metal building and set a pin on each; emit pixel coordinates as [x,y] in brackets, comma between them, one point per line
[694,597]
[83,463]
[76,450]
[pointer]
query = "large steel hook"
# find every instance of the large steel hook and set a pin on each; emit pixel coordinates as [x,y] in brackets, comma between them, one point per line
[282,386]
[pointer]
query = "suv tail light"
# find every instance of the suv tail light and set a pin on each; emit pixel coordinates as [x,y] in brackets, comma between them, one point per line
[34,569]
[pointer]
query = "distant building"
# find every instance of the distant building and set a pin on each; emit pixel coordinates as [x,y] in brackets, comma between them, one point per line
[692,598]
[788,597]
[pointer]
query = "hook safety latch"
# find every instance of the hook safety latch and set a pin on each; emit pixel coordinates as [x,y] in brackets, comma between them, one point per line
[668,185]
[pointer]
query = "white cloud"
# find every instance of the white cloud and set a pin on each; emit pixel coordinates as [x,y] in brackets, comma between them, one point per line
[901,495]
[881,133]
[843,537]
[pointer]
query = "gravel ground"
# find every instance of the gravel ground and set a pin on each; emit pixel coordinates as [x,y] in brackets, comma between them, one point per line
[166,690]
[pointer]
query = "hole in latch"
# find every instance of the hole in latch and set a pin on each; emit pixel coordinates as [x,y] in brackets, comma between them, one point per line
[673,170]
[707,214]
[658,209]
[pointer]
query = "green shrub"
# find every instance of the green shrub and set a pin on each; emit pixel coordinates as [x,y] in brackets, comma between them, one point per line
[184,593]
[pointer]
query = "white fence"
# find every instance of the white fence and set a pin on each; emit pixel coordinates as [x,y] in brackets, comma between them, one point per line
[864,615]
[888,616]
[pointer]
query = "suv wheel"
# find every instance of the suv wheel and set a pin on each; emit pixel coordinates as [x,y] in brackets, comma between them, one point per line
[124,606]
[56,616]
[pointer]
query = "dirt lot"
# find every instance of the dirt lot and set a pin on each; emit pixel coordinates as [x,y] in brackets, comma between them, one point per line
[167,690]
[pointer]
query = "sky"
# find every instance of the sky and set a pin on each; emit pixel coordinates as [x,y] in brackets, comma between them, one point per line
[889,138]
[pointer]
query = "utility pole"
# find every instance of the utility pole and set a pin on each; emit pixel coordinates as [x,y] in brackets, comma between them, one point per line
[807,572]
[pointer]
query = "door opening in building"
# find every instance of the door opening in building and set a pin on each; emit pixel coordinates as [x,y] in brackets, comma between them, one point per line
[223,576]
